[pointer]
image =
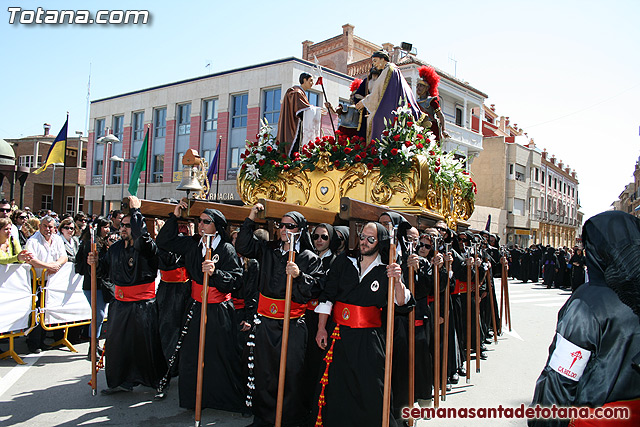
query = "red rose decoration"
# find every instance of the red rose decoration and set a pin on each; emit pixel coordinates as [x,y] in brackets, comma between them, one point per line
[286,167]
[438,161]
[311,145]
[419,136]
[273,162]
[363,154]
[242,156]
[347,150]
[385,133]
[308,155]
[396,137]
[336,163]
[261,162]
[376,161]
[432,153]
[284,156]
[385,162]
[409,123]
[437,169]
[369,166]
[296,154]
[374,151]
[419,146]
[394,151]
[407,144]
[269,149]
[358,158]
[334,148]
[277,142]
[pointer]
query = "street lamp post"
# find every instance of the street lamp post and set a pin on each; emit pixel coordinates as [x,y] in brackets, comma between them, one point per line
[107,141]
[124,161]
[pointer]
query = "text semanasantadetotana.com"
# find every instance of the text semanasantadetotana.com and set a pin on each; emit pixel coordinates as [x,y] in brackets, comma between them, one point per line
[552,412]
[17,15]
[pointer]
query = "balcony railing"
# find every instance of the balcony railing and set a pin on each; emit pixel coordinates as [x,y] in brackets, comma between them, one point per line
[462,136]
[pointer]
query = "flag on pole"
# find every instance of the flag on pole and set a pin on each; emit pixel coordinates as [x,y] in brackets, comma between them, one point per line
[213,167]
[57,151]
[318,70]
[141,165]
[488,226]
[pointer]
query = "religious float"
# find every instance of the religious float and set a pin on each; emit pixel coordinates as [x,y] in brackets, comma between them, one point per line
[405,170]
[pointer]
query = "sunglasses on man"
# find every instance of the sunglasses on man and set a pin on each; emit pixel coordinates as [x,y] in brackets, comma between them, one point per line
[369,239]
[204,221]
[288,225]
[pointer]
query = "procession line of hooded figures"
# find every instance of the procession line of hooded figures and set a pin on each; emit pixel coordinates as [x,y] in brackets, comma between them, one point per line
[336,351]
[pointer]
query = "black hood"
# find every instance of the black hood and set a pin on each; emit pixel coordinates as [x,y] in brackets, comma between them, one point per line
[612,249]
[305,237]
[220,222]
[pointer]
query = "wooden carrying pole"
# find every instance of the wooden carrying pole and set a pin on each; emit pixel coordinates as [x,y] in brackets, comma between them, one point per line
[285,332]
[436,326]
[208,238]
[492,301]
[94,314]
[388,358]
[505,291]
[468,318]
[445,346]
[477,313]
[412,338]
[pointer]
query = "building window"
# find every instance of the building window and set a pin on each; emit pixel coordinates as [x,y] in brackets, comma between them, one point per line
[138,126]
[158,167]
[99,131]
[160,122]
[210,115]
[537,175]
[542,176]
[184,119]
[239,117]
[47,202]
[27,161]
[116,172]
[98,153]
[521,173]
[118,127]
[271,105]
[518,207]
[314,98]
[459,116]
[70,205]
[555,183]
[549,180]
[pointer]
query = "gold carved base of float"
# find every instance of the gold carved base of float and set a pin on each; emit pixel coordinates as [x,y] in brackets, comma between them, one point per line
[323,188]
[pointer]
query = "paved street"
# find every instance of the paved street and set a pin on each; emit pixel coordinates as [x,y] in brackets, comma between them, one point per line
[52,390]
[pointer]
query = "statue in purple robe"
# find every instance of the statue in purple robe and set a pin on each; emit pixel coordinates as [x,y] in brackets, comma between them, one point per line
[389,91]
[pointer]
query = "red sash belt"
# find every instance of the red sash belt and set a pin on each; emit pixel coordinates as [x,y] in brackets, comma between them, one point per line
[419,322]
[274,308]
[311,305]
[633,420]
[179,275]
[136,293]
[430,299]
[461,288]
[238,303]
[355,316]
[214,296]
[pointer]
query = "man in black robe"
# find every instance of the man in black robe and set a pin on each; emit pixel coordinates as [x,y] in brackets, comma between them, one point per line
[306,271]
[222,383]
[355,293]
[133,349]
[594,357]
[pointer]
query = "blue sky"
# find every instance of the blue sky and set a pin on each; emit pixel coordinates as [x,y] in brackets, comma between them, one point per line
[565,71]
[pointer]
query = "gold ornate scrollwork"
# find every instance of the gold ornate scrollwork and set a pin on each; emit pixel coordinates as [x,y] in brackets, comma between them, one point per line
[299,179]
[352,177]
[380,192]
[323,163]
